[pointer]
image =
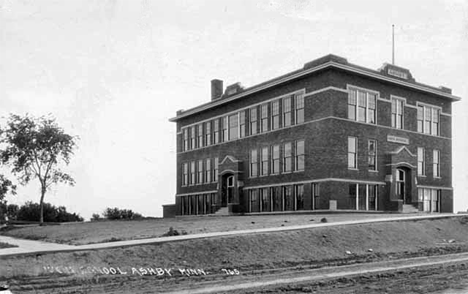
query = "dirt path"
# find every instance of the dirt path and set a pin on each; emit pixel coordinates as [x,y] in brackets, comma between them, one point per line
[321,274]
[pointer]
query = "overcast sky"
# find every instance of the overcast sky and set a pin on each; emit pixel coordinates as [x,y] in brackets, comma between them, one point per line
[114,71]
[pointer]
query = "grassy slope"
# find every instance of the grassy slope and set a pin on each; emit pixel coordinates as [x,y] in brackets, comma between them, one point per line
[96,232]
[269,250]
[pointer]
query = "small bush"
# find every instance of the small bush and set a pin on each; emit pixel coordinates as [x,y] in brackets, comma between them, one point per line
[117,214]
[173,232]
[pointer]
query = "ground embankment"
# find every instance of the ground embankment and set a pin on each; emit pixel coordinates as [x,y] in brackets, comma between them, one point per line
[231,257]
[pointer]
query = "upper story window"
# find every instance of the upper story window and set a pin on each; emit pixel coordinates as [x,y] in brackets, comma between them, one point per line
[372,154]
[421,162]
[275,115]
[192,173]
[352,152]
[200,172]
[186,139]
[397,113]
[299,161]
[299,113]
[185,174]
[253,163]
[233,127]
[253,120]
[242,124]
[200,135]
[215,170]
[264,117]
[428,120]
[275,159]
[287,157]
[216,131]
[208,170]
[265,159]
[362,105]
[224,132]
[192,138]
[208,133]
[436,164]
[287,112]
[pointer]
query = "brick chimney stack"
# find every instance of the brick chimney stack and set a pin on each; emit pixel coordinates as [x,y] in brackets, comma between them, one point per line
[216,89]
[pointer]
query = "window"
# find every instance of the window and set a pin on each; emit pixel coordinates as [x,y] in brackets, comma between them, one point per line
[208,133]
[264,163]
[185,174]
[421,162]
[299,156]
[264,117]
[224,132]
[362,105]
[428,120]
[207,170]
[352,152]
[287,157]
[200,136]
[299,114]
[242,130]
[288,198]
[186,140]
[315,196]
[299,194]
[253,163]
[436,162]
[287,112]
[352,196]
[430,199]
[275,159]
[215,170]
[275,115]
[216,131]
[200,172]
[372,154]
[192,138]
[397,113]
[277,199]
[192,173]
[254,203]
[265,198]
[253,121]
[233,126]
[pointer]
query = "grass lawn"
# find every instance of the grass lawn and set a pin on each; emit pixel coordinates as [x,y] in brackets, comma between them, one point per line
[108,231]
[6,245]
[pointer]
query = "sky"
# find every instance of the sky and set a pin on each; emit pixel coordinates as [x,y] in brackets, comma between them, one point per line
[114,71]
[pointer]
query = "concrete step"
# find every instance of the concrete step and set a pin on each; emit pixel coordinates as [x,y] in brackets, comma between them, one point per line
[222,211]
[409,208]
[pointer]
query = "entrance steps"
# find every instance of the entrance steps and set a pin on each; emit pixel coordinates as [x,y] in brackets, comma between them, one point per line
[409,208]
[222,211]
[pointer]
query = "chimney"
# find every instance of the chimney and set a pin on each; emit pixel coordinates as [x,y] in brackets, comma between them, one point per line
[216,89]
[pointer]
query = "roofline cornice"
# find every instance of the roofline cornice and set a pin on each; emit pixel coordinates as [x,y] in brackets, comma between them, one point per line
[256,89]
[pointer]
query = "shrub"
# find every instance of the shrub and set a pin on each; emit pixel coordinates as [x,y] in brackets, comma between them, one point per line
[173,232]
[31,212]
[124,214]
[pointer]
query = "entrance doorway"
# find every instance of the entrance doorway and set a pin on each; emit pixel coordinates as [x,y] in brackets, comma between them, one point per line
[228,190]
[402,185]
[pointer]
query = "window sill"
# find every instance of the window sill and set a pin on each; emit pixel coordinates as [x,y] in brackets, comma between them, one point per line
[421,176]
[438,178]
[351,168]
[298,171]
[373,171]
[286,172]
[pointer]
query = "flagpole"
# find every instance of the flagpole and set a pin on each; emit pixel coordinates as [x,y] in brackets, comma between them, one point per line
[393,44]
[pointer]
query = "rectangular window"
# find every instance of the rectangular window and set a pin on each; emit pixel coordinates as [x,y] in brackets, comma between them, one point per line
[275,115]
[254,203]
[215,170]
[216,131]
[186,140]
[299,156]
[185,174]
[352,195]
[275,159]
[421,162]
[208,133]
[253,163]
[224,132]
[288,198]
[428,120]
[200,172]
[436,164]
[277,199]
[362,105]
[242,124]
[264,163]
[233,126]
[352,152]
[253,121]
[192,173]
[299,113]
[372,154]
[200,136]
[287,112]
[264,117]
[192,138]
[265,198]
[208,170]
[287,157]
[397,113]
[299,194]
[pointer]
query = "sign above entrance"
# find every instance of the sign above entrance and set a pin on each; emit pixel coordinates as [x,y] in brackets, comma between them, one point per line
[396,139]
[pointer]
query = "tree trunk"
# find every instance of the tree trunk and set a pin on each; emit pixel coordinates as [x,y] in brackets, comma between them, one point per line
[41,203]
